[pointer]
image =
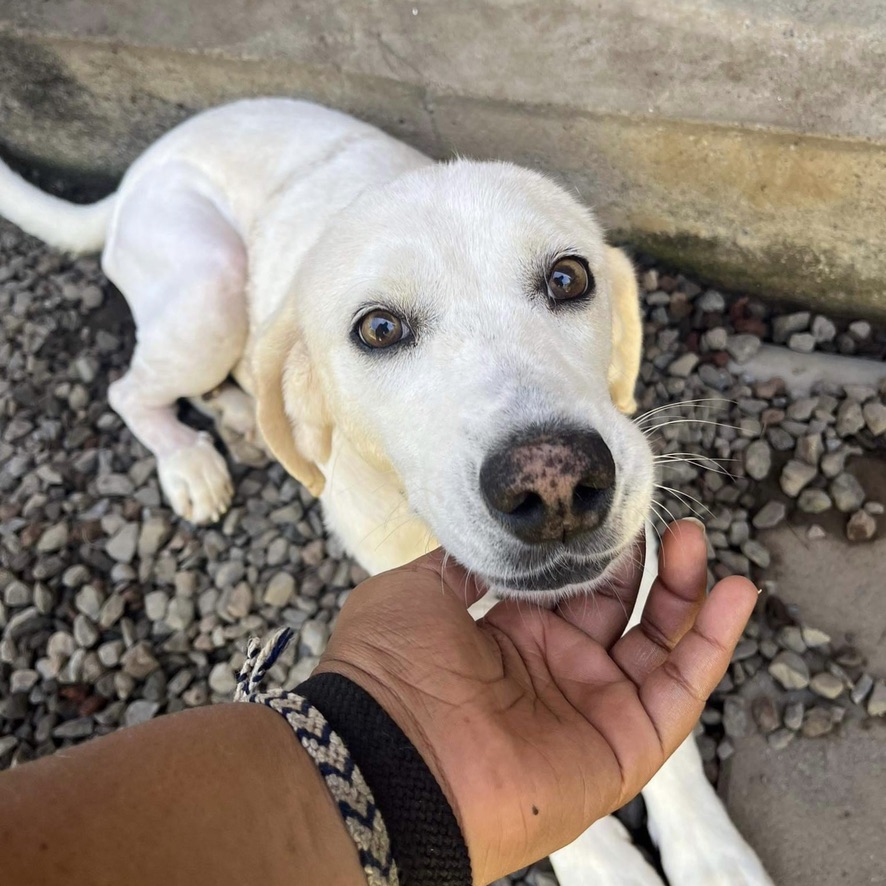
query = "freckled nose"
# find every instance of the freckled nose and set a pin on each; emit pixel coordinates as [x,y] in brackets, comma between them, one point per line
[550,486]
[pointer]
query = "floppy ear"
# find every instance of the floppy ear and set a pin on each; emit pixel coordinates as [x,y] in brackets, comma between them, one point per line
[291,412]
[627,331]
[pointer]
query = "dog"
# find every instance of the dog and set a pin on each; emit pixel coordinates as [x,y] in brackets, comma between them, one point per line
[444,353]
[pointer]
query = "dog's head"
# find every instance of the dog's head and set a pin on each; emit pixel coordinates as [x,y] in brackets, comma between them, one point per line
[467,328]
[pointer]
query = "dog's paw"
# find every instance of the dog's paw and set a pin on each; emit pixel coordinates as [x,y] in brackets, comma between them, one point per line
[196,481]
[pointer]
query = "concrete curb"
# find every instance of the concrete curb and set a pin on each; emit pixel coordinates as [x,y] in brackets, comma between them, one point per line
[672,122]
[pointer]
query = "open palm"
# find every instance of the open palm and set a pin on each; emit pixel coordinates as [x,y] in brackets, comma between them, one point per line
[539,721]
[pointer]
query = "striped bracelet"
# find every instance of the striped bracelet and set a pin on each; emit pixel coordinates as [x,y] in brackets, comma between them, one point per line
[404,829]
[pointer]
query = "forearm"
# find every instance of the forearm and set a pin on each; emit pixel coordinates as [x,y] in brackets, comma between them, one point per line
[222,795]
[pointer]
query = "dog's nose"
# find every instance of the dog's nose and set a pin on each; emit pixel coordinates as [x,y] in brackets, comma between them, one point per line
[550,486]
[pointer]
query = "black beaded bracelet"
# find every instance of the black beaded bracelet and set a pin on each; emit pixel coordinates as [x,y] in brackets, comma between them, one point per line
[404,829]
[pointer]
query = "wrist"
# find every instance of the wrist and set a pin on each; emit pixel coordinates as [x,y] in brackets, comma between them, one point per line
[472,772]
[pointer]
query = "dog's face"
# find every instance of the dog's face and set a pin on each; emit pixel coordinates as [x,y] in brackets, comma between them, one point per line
[457,327]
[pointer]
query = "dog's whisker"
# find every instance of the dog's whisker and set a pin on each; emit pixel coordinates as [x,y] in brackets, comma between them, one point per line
[640,419]
[683,496]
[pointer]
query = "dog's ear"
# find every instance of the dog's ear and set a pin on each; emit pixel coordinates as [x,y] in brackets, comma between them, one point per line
[290,411]
[627,331]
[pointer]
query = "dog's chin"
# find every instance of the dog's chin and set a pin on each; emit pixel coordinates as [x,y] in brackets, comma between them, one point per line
[555,583]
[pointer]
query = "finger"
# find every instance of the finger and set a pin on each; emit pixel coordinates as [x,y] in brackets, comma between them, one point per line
[675,693]
[603,614]
[674,601]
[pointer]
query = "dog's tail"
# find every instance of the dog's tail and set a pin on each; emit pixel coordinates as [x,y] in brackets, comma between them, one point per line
[66,226]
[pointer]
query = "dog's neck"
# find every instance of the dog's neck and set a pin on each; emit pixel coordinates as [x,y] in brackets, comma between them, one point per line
[364,505]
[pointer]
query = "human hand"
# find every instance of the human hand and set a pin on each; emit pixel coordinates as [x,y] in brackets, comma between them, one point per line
[537,722]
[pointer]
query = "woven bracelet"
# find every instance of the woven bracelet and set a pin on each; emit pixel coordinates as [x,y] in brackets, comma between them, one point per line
[404,829]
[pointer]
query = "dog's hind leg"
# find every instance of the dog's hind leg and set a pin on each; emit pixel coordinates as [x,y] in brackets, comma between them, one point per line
[233,412]
[182,267]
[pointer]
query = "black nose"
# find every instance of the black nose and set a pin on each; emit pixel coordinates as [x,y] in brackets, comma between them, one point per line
[550,486]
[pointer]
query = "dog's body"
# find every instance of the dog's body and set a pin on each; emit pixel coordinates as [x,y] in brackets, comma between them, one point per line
[266,240]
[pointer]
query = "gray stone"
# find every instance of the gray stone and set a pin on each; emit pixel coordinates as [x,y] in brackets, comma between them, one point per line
[313,637]
[684,365]
[229,574]
[17,593]
[861,329]
[791,637]
[793,715]
[222,680]
[85,632]
[756,553]
[82,727]
[862,687]
[765,714]
[789,669]
[796,476]
[850,418]
[802,342]
[112,609]
[815,638]
[823,329]
[827,686]
[735,717]
[847,493]
[877,700]
[279,590]
[122,546]
[779,739]
[109,653]
[875,417]
[139,661]
[809,449]
[23,680]
[861,527]
[154,534]
[743,347]
[817,722]
[785,325]
[139,711]
[155,605]
[235,602]
[53,539]
[711,302]
[180,613]
[118,485]
[771,514]
[814,501]
[758,459]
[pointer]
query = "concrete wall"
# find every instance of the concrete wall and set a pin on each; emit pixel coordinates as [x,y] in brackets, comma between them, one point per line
[745,139]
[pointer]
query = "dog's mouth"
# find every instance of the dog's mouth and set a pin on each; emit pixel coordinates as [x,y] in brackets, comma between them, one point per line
[558,577]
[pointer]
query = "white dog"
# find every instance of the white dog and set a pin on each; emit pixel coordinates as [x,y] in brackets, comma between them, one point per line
[442,352]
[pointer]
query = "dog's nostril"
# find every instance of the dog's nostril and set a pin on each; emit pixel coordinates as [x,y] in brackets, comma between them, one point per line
[587,498]
[529,504]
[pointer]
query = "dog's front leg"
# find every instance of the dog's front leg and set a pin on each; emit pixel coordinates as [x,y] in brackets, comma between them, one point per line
[699,844]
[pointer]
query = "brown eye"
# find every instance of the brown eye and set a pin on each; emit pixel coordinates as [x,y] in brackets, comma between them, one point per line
[381,329]
[569,278]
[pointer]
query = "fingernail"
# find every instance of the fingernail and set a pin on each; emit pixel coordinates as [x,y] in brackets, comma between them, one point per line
[697,522]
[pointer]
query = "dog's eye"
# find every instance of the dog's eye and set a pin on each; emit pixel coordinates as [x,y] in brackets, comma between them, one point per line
[381,329]
[568,279]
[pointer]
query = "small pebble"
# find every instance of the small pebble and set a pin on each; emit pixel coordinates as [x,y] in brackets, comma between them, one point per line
[827,686]
[817,722]
[789,669]
[861,527]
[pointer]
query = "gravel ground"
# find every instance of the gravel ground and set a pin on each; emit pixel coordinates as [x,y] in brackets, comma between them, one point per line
[113,612]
